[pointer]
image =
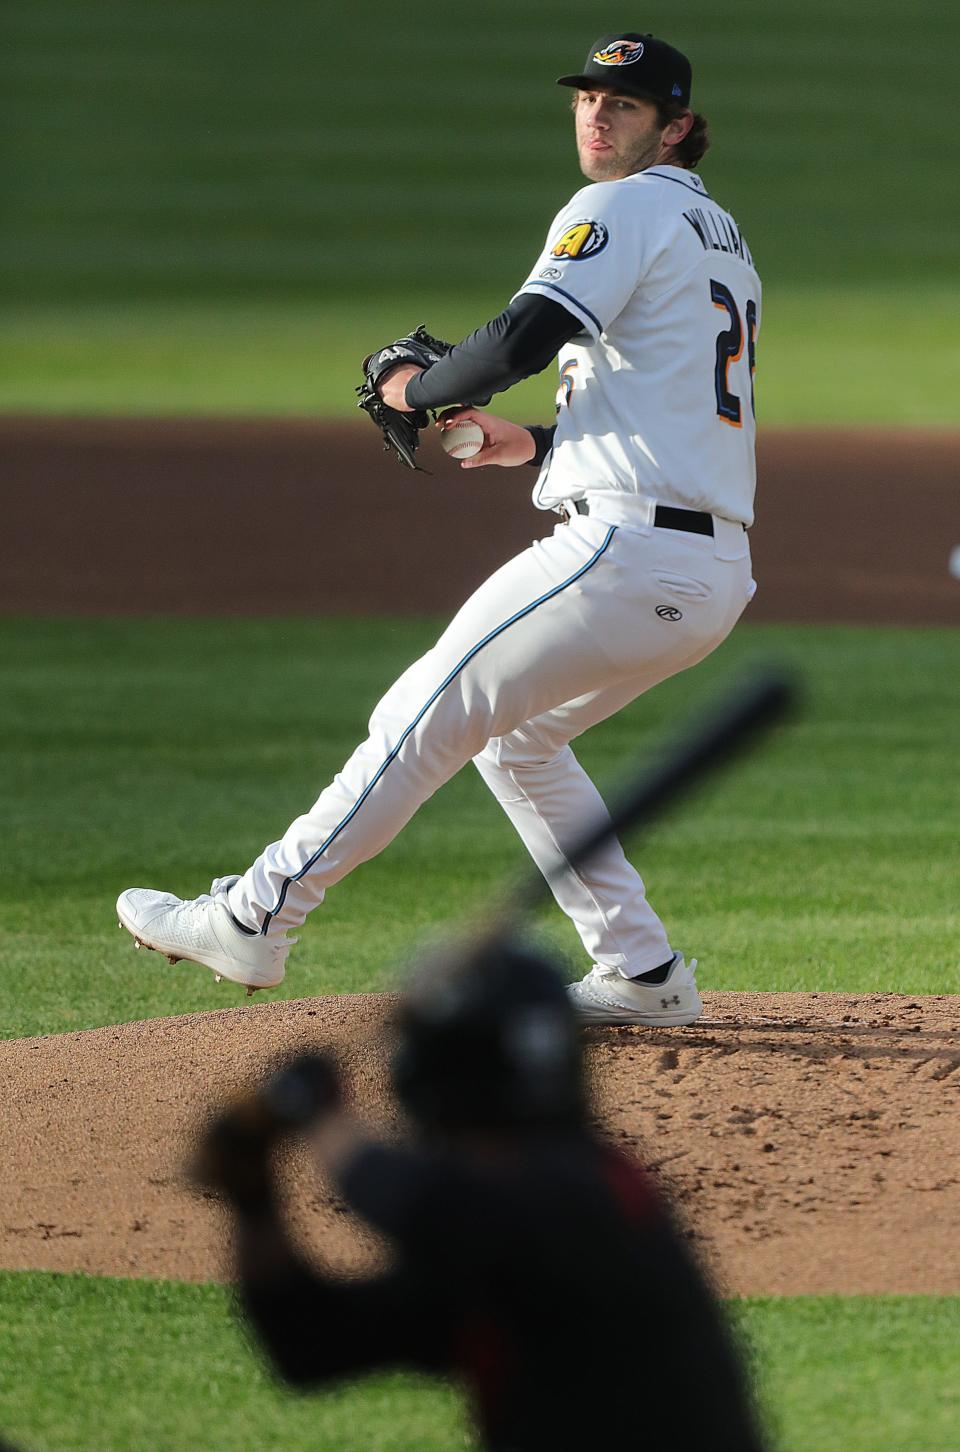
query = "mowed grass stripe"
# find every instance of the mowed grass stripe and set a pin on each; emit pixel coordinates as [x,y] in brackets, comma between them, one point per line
[825,356]
[91,1365]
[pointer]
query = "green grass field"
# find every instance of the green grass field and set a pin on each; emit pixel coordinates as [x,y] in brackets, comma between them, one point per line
[208,149]
[111,1365]
[826,863]
[220,209]
[827,355]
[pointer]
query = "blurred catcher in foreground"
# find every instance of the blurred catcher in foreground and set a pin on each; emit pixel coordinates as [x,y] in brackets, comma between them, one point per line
[533,1263]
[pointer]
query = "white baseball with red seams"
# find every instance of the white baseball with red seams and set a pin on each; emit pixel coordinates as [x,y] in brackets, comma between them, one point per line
[462,440]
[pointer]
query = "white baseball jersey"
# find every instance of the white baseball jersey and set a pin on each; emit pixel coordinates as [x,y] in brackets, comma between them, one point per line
[656,394]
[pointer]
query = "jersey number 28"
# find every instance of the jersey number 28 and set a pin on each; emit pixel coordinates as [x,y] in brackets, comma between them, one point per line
[730,349]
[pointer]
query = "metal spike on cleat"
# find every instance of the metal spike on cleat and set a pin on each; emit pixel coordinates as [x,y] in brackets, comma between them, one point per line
[218,977]
[137,943]
[250,990]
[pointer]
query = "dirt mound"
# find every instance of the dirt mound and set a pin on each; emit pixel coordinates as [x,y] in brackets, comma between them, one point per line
[810,1139]
[288,516]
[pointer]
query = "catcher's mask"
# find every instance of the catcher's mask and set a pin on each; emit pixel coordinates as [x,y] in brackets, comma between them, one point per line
[488,1040]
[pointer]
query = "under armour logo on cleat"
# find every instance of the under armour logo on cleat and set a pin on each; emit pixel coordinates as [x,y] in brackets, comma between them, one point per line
[666,1002]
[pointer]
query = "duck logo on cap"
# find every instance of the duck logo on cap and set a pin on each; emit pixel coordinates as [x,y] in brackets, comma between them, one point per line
[620,53]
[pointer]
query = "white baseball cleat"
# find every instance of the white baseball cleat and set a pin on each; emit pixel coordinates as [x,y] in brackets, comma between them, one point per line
[605,996]
[203,930]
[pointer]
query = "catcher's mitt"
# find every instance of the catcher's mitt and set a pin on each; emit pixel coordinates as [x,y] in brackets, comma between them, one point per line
[401,431]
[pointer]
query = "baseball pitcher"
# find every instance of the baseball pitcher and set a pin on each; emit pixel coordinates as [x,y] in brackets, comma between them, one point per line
[646,294]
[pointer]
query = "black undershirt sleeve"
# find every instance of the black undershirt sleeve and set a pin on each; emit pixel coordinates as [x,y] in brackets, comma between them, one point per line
[522,341]
[543,441]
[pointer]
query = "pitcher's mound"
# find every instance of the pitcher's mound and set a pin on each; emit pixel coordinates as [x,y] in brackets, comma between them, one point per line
[809,1139]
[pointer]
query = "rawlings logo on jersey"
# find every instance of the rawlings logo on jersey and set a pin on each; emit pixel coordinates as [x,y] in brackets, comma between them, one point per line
[582,240]
[620,53]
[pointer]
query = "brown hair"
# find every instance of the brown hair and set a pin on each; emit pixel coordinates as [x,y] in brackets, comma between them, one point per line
[694,145]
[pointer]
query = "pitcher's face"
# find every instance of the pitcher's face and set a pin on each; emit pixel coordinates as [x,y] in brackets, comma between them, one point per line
[617,134]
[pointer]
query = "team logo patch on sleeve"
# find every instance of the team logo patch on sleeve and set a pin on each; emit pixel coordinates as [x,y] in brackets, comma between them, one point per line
[582,240]
[620,53]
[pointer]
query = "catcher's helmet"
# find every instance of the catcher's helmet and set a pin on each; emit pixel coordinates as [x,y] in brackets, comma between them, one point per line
[488,1040]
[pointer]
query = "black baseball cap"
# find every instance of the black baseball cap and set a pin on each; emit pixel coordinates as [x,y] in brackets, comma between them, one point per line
[638,65]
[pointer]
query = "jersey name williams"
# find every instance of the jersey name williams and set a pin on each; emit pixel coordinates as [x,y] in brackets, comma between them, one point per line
[718,233]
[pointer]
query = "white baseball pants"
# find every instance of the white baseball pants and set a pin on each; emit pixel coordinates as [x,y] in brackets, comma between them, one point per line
[559,638]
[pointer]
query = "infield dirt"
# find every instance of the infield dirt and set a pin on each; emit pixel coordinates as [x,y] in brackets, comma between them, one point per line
[286,517]
[809,1139]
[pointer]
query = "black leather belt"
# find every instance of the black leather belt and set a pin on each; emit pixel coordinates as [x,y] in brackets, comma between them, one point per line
[665,516]
[692,521]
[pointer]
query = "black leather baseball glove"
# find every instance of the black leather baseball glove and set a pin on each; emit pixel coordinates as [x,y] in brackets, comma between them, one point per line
[401,431]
